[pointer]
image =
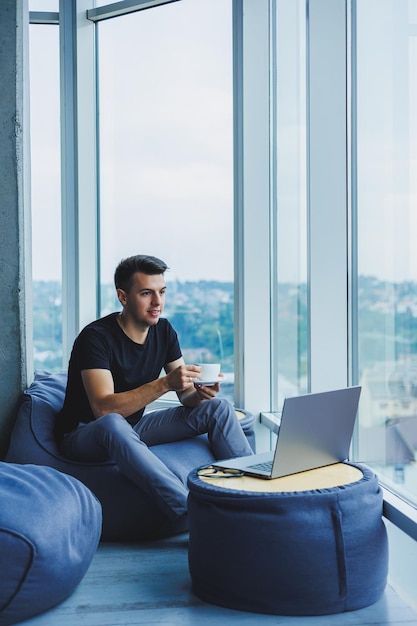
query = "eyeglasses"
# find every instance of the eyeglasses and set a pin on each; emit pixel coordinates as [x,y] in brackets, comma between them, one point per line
[216,472]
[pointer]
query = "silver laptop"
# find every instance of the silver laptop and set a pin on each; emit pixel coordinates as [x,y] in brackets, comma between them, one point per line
[316,430]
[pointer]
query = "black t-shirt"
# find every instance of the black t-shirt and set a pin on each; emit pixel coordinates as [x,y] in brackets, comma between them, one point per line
[103,345]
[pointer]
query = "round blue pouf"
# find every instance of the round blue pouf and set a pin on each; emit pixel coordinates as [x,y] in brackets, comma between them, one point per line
[314,552]
[50,526]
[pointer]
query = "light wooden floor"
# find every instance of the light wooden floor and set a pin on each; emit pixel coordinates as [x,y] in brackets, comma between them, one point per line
[149,583]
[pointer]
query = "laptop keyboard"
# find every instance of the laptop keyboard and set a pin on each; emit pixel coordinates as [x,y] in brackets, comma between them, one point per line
[265,466]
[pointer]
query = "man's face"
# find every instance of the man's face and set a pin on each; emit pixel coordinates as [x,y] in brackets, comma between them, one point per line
[145,300]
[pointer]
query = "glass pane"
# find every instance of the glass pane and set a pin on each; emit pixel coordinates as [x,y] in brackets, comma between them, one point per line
[291,321]
[44,5]
[387,232]
[166,164]
[46,196]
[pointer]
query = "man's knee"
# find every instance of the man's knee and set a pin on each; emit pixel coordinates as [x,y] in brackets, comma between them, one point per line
[221,407]
[113,423]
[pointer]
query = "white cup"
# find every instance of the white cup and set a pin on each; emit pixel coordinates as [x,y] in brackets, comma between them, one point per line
[209,371]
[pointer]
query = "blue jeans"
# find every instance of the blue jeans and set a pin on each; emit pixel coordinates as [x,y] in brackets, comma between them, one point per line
[112,437]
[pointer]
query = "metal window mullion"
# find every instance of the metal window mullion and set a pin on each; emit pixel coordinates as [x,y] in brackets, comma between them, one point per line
[78,167]
[239,312]
[252,206]
[273,211]
[69,187]
[327,194]
[123,7]
[43,17]
[87,174]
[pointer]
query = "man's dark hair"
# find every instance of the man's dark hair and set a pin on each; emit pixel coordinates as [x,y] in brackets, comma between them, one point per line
[143,263]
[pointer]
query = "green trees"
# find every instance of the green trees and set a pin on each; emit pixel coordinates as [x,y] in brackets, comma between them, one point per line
[202,312]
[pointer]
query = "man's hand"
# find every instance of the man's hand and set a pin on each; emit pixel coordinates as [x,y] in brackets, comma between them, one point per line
[207,392]
[182,377]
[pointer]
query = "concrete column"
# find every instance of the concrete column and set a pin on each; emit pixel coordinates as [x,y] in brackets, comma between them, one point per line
[15,275]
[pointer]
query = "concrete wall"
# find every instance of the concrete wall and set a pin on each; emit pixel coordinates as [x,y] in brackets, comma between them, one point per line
[15,274]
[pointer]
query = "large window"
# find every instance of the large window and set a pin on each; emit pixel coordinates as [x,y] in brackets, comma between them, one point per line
[46,196]
[174,146]
[166,164]
[387,232]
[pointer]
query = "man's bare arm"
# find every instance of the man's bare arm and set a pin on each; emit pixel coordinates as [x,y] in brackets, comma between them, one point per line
[99,387]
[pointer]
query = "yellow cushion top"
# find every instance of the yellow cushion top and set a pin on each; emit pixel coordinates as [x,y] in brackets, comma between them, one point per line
[321,478]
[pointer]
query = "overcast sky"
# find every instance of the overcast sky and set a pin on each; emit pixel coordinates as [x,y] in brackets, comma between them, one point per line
[166,142]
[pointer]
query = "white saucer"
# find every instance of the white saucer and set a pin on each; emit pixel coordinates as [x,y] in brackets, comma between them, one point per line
[207,383]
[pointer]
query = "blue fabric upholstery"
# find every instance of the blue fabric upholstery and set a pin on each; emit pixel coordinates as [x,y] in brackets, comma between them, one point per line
[50,526]
[298,553]
[128,513]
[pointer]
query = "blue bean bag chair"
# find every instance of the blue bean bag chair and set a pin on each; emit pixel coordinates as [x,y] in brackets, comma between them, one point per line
[128,513]
[50,526]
